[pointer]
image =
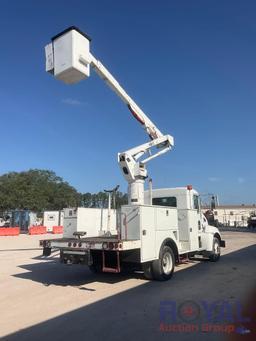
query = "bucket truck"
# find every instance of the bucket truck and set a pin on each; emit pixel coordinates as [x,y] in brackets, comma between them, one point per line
[159,227]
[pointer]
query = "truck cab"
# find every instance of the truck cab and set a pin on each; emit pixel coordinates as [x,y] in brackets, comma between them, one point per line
[194,231]
[191,221]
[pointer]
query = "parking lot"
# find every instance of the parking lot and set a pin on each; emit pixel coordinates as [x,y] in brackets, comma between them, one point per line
[43,299]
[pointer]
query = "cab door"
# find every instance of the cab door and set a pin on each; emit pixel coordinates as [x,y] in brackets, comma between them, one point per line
[195,227]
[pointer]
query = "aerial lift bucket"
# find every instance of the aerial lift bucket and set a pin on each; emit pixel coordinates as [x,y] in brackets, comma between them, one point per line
[68,56]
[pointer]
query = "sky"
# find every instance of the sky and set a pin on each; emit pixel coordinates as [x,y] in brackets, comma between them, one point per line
[190,65]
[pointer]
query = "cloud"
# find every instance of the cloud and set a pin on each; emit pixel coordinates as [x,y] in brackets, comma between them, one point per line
[213,179]
[241,180]
[72,101]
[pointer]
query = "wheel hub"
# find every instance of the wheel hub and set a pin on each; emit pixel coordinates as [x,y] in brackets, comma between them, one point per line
[167,263]
[216,249]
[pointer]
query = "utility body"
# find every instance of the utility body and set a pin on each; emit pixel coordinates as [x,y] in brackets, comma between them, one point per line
[157,228]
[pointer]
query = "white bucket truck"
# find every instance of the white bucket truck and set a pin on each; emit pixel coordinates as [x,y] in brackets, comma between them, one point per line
[158,227]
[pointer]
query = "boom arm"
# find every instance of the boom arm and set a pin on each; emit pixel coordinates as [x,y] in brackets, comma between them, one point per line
[151,129]
[68,57]
[129,162]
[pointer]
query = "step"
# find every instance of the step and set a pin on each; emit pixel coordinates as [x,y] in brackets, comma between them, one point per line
[112,270]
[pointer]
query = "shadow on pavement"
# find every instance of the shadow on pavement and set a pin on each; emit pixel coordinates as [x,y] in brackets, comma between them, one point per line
[51,272]
[237,229]
[134,313]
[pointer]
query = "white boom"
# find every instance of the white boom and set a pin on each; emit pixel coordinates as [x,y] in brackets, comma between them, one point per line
[68,57]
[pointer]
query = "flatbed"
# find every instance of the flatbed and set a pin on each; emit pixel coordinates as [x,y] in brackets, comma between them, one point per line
[91,243]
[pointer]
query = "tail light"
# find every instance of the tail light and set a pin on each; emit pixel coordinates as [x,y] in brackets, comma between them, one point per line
[104,246]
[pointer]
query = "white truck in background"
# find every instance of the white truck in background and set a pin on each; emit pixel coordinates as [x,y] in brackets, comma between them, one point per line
[91,221]
[158,227]
[52,218]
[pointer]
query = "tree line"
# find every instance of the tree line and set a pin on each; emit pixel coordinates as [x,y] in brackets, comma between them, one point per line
[39,190]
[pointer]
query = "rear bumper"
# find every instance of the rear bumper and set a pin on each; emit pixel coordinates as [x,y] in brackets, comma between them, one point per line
[85,244]
[75,257]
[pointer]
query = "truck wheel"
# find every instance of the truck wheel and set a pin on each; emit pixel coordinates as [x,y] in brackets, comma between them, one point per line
[162,268]
[95,262]
[215,256]
[95,268]
[147,268]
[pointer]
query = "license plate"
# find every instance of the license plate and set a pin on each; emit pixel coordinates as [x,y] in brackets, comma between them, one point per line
[75,252]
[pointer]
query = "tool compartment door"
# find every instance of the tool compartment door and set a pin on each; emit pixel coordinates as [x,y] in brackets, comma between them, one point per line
[70,222]
[147,233]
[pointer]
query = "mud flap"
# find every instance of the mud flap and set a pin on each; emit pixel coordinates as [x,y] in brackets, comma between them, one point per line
[47,251]
[222,243]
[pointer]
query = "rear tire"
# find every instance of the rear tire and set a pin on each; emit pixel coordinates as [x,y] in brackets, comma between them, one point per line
[215,256]
[147,268]
[96,264]
[162,268]
[95,268]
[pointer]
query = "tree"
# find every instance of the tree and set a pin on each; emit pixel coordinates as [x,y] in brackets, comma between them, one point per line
[100,200]
[39,190]
[36,190]
[121,199]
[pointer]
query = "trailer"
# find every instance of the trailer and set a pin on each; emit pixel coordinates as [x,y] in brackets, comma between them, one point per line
[158,227]
[52,218]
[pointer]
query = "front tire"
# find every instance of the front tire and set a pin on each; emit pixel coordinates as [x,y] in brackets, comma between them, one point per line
[162,268]
[215,256]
